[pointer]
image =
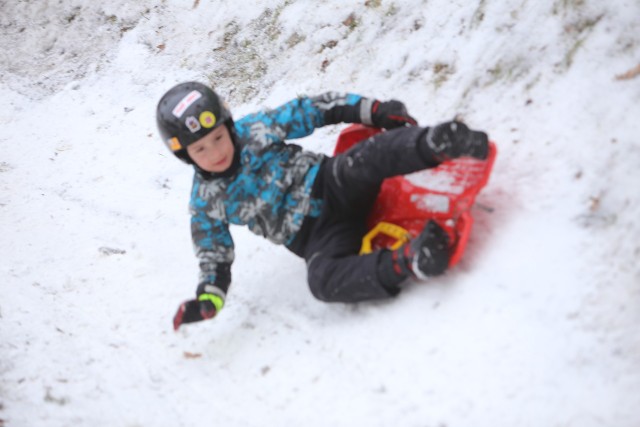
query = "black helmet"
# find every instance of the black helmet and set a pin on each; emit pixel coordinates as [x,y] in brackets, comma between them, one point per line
[186,113]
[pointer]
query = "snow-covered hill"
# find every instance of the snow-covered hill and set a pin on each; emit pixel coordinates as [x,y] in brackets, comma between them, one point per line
[538,326]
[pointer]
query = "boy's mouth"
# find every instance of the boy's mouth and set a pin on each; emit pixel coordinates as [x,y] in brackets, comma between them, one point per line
[221,162]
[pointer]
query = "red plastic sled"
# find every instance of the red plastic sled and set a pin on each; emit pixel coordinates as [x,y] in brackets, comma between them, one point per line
[444,194]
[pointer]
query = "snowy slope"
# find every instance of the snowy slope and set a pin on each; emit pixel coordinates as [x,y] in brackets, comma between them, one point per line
[538,325]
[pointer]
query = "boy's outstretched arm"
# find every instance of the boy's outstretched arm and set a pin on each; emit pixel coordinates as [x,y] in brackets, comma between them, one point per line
[215,279]
[300,117]
[350,108]
[215,251]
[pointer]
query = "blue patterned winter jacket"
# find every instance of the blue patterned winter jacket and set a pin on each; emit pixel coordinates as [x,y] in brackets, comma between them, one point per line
[270,191]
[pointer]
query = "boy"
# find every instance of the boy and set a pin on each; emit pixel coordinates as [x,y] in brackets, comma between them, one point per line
[315,205]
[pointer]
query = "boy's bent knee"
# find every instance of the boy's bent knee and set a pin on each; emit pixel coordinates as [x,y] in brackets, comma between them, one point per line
[332,280]
[317,279]
[319,292]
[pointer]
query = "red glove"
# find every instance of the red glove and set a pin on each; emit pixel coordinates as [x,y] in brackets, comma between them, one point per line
[391,114]
[196,310]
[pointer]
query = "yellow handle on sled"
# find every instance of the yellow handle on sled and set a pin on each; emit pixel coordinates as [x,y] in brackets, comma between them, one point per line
[392,230]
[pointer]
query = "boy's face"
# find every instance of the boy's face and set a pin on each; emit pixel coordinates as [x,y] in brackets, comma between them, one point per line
[214,151]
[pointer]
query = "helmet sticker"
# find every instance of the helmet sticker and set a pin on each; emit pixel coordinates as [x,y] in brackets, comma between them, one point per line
[174,144]
[192,97]
[193,124]
[207,119]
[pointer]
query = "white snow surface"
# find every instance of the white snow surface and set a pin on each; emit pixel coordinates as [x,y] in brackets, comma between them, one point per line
[539,325]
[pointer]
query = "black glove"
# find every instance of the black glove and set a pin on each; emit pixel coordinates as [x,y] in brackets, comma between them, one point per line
[454,139]
[195,310]
[391,114]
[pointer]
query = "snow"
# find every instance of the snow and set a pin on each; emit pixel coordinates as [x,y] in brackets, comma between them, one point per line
[537,326]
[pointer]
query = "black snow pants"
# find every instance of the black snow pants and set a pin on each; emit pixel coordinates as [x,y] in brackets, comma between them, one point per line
[348,184]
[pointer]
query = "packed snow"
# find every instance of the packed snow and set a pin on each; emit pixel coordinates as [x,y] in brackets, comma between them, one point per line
[537,326]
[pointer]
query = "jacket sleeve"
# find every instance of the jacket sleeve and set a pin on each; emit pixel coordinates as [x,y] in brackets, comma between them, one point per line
[300,117]
[213,246]
[344,108]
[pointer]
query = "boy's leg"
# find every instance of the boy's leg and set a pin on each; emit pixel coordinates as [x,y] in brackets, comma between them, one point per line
[355,176]
[400,151]
[350,184]
[335,271]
